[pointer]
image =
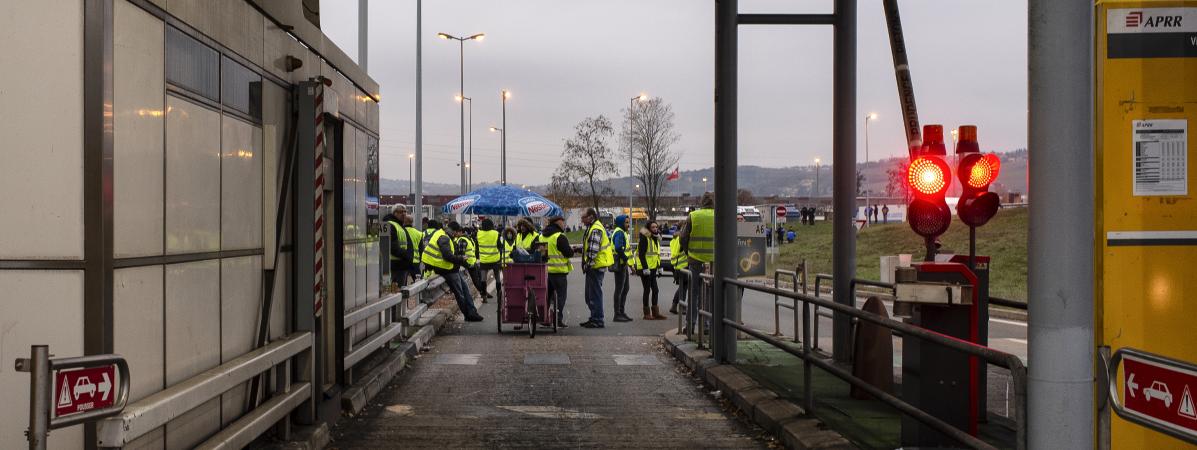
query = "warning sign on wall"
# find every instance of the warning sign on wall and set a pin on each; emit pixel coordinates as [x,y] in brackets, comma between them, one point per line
[1160,157]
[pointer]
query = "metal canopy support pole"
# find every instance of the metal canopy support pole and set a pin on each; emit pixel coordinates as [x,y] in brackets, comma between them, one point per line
[303,246]
[1061,236]
[844,172]
[419,116]
[461,90]
[726,66]
[363,28]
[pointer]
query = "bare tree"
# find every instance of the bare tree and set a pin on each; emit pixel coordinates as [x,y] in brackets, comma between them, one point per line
[587,161]
[564,192]
[648,128]
[896,183]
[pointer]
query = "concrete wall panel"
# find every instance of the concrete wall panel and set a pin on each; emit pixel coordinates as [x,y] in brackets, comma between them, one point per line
[139,132]
[240,293]
[42,107]
[241,29]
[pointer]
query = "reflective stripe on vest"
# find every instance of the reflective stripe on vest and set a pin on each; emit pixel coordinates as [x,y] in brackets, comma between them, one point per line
[488,247]
[432,253]
[702,235]
[604,257]
[395,234]
[558,263]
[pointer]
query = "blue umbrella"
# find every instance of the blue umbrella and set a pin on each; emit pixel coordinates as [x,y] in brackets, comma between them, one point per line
[503,201]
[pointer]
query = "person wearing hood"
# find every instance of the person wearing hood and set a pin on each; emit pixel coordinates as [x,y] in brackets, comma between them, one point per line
[559,252]
[623,252]
[526,236]
[648,262]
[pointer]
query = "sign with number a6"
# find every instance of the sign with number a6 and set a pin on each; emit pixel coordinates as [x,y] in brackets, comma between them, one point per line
[82,390]
[1160,393]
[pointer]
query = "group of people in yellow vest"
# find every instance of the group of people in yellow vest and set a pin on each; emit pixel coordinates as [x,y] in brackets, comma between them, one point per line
[446,249]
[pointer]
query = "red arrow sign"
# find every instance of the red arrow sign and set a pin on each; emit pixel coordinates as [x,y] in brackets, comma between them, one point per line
[80,390]
[1160,393]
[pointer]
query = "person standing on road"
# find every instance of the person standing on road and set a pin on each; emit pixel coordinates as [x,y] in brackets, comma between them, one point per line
[559,252]
[623,251]
[467,250]
[596,258]
[441,257]
[678,259]
[401,248]
[491,251]
[648,261]
[698,241]
[884,213]
[416,239]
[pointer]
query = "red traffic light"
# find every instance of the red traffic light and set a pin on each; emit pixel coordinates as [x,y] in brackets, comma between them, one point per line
[927,218]
[978,170]
[928,175]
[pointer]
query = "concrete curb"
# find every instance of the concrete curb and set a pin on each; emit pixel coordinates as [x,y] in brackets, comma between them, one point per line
[784,419]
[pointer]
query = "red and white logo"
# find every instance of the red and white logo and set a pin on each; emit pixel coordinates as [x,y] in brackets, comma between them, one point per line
[1134,19]
[84,390]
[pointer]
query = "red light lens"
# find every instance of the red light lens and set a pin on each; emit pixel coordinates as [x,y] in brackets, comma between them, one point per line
[927,176]
[982,170]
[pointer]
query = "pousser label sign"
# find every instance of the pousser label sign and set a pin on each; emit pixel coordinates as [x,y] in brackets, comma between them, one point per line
[81,390]
[1160,393]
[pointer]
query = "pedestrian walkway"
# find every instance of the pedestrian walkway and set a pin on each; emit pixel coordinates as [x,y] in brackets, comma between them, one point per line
[581,388]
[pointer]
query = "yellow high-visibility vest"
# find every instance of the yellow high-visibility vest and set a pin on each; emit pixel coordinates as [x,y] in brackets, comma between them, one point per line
[415,237]
[398,235]
[525,242]
[702,235]
[605,257]
[488,247]
[676,256]
[466,245]
[558,263]
[627,244]
[432,254]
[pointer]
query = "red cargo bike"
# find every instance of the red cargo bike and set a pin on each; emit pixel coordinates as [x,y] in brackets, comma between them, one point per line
[524,300]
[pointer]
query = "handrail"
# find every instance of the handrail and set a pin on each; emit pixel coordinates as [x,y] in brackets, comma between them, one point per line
[1007,303]
[998,358]
[353,317]
[159,408]
[777,305]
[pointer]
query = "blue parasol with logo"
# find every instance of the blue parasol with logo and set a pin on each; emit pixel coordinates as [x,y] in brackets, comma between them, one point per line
[503,201]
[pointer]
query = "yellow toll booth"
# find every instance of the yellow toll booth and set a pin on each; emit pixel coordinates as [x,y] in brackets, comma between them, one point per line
[1146,218]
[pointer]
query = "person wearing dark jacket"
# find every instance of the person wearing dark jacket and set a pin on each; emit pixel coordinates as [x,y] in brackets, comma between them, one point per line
[622,244]
[559,252]
[648,262]
[401,246]
[441,257]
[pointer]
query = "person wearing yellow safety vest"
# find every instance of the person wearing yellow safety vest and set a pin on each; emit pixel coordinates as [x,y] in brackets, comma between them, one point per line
[597,256]
[698,241]
[679,260]
[400,247]
[558,251]
[648,262]
[440,256]
[491,251]
[623,255]
[526,236]
[416,238]
[469,251]
[508,245]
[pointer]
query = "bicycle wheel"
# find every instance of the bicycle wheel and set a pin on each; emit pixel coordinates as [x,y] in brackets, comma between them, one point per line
[531,306]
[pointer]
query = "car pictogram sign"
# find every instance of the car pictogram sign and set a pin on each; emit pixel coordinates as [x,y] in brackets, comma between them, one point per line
[1160,393]
[83,390]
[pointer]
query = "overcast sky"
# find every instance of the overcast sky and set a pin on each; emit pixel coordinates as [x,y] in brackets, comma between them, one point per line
[565,60]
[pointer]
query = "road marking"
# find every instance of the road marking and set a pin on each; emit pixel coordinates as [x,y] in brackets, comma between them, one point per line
[1020,341]
[551,412]
[401,410]
[1009,322]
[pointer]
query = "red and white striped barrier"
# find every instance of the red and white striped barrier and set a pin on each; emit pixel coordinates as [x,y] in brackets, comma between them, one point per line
[318,286]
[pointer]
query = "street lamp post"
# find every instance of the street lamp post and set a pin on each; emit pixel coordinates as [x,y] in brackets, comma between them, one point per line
[816,178]
[631,177]
[410,158]
[461,68]
[868,118]
[704,185]
[470,158]
[503,154]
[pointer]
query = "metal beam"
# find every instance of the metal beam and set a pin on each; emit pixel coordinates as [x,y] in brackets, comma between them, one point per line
[726,67]
[1061,237]
[786,19]
[419,194]
[843,255]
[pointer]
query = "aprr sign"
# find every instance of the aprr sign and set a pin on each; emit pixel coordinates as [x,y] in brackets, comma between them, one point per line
[82,390]
[1160,393]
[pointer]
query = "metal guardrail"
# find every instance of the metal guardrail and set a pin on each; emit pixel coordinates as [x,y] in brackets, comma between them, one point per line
[1008,303]
[397,303]
[159,408]
[1111,399]
[1001,359]
[819,278]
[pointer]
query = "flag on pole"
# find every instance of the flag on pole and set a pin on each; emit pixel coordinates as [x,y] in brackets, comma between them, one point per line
[673,175]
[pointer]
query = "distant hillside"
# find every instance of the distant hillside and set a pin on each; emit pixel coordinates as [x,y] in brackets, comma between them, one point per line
[797,181]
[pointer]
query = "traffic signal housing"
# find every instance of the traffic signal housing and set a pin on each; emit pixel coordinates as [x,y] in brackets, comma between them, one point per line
[976,171]
[928,178]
